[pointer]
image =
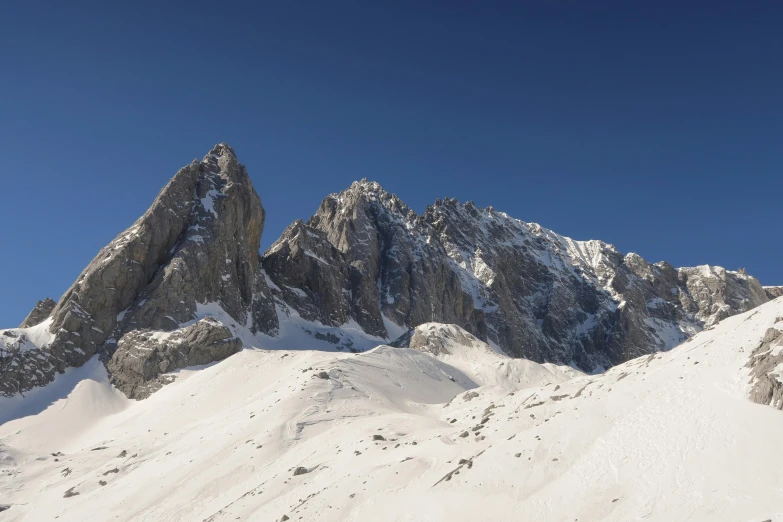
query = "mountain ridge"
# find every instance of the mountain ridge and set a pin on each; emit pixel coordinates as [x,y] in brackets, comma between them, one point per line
[363,268]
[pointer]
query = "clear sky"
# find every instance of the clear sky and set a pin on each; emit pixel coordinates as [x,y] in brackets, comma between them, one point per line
[656,126]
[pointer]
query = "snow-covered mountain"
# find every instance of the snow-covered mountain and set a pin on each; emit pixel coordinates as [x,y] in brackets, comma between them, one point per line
[446,428]
[377,364]
[185,285]
[524,288]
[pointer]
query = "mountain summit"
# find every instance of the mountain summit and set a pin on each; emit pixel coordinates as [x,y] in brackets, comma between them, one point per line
[517,285]
[198,243]
[185,285]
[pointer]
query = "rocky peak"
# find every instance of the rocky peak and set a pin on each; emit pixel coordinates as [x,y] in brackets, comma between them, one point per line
[197,244]
[383,243]
[352,215]
[518,285]
[364,258]
[221,151]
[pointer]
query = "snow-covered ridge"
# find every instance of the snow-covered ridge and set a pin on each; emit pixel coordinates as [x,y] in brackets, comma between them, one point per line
[488,365]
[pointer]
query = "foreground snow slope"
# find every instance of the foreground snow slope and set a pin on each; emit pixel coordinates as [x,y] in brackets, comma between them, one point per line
[666,437]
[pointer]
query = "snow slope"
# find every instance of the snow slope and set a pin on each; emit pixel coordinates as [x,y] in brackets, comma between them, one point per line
[669,437]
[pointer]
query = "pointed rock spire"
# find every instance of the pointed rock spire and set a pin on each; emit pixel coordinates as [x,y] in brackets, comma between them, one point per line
[197,244]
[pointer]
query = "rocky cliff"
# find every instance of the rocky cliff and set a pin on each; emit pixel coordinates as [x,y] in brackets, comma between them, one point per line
[524,288]
[198,243]
[363,262]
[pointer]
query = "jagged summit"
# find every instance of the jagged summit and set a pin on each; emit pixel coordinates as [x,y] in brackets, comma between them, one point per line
[222,149]
[365,267]
[197,243]
[518,285]
[218,160]
[364,196]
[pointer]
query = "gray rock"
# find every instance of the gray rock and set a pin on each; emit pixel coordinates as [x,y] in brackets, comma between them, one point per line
[375,258]
[766,387]
[41,312]
[714,293]
[142,356]
[197,243]
[773,292]
[366,256]
[310,274]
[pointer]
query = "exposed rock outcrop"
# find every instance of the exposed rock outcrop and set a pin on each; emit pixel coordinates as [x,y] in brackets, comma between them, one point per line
[41,312]
[197,244]
[714,293]
[364,261]
[142,355]
[436,338]
[766,363]
[311,274]
[773,292]
[383,258]
[534,293]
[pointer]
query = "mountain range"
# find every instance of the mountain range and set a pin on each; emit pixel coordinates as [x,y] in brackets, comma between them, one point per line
[185,285]
[377,364]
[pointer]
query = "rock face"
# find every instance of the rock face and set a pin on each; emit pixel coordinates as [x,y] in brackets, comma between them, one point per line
[364,262]
[143,355]
[766,375]
[41,311]
[382,259]
[197,244]
[773,292]
[310,274]
[532,292]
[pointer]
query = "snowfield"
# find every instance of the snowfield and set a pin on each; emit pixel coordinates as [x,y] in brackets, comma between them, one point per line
[397,434]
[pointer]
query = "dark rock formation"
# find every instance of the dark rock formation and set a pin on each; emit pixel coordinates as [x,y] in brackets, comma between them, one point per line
[310,274]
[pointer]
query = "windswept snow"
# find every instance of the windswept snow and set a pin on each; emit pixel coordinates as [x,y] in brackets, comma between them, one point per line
[397,434]
[24,339]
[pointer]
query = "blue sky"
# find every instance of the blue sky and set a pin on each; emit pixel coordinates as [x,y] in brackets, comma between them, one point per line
[656,126]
